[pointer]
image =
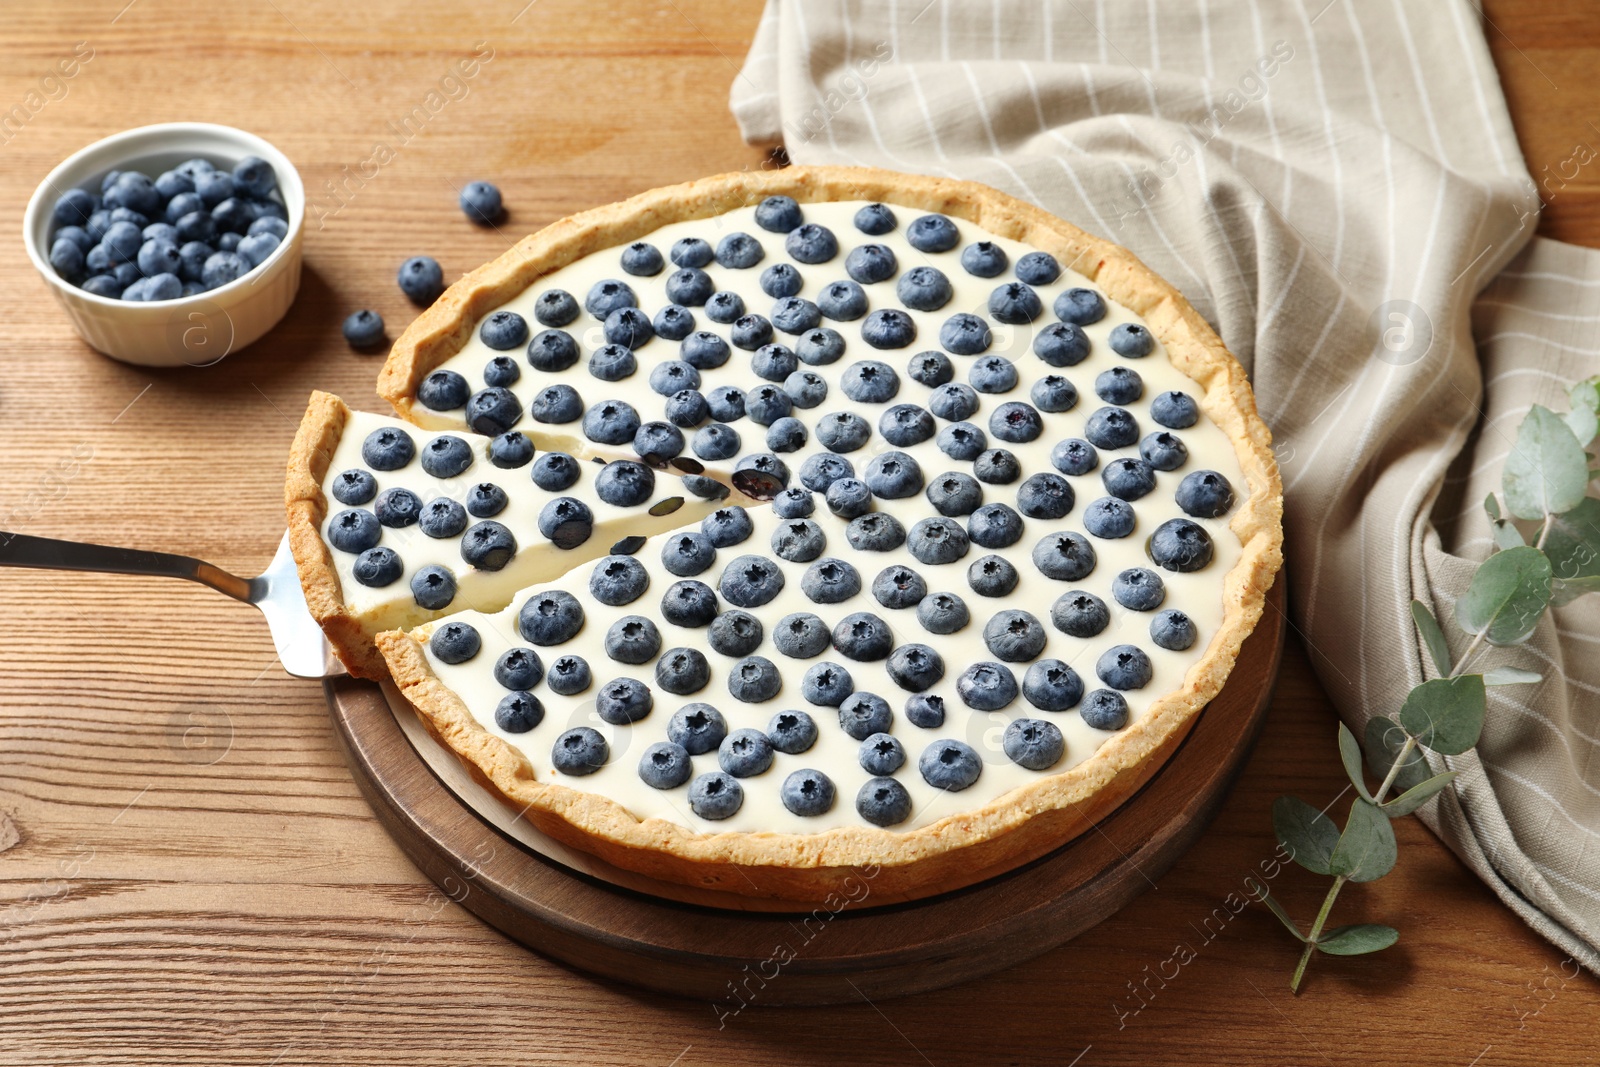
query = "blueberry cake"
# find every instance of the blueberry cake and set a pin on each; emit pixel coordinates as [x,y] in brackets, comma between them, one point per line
[995,514]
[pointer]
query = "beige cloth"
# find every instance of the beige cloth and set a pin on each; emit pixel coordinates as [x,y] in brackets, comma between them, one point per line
[1333,187]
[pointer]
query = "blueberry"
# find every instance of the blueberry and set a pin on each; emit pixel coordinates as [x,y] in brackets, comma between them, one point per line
[691,252]
[362,329]
[724,307]
[962,441]
[510,450]
[848,498]
[107,286]
[1053,393]
[863,714]
[550,618]
[965,334]
[502,371]
[774,362]
[787,434]
[1064,557]
[843,431]
[875,220]
[899,587]
[1164,451]
[1128,478]
[136,219]
[751,581]
[623,700]
[493,410]
[806,389]
[753,680]
[893,476]
[1038,268]
[628,328]
[871,263]
[687,554]
[715,796]
[842,301]
[1080,614]
[1111,427]
[954,401]
[778,214]
[726,403]
[1123,667]
[442,518]
[74,207]
[1181,545]
[716,442]
[608,295]
[950,765]
[1138,589]
[156,231]
[378,567]
[611,422]
[67,258]
[387,449]
[869,381]
[566,521]
[681,671]
[811,243]
[827,684]
[557,404]
[875,532]
[552,350]
[579,751]
[618,580]
[673,322]
[830,581]
[99,259]
[518,668]
[555,307]
[992,576]
[1132,340]
[664,765]
[889,328]
[136,192]
[791,314]
[932,369]
[1074,456]
[421,280]
[1119,385]
[488,545]
[795,503]
[915,668]
[569,675]
[698,728]
[517,713]
[801,635]
[994,526]
[781,280]
[643,260]
[234,215]
[807,792]
[443,390]
[213,187]
[820,347]
[354,530]
[256,248]
[993,374]
[1051,685]
[198,226]
[798,541]
[672,375]
[1173,630]
[996,466]
[1081,307]
[1015,304]
[689,603]
[613,362]
[446,456]
[863,636]
[354,486]
[735,633]
[727,527]
[1045,496]
[455,642]
[1205,495]
[937,541]
[689,287]
[1014,636]
[1034,744]
[906,425]
[624,483]
[122,242]
[740,251]
[268,224]
[1015,422]
[766,404]
[942,613]
[1174,410]
[704,487]
[97,224]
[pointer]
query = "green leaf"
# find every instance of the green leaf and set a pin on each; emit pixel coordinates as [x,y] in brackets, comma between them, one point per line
[1507,595]
[1511,676]
[1358,940]
[1445,714]
[1584,418]
[1367,849]
[1565,592]
[1546,472]
[1350,753]
[1383,741]
[1309,835]
[1506,535]
[1261,893]
[1418,795]
[1572,544]
[1432,636]
[1492,506]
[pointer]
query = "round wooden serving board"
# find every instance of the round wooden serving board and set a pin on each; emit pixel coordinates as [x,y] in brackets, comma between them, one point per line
[736,958]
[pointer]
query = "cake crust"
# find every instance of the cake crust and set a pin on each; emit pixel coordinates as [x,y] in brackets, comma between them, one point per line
[960,849]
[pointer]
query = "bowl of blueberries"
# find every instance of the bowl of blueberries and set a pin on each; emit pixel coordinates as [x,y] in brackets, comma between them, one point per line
[171,244]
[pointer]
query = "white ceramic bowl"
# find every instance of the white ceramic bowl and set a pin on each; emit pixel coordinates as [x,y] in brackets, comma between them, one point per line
[196,330]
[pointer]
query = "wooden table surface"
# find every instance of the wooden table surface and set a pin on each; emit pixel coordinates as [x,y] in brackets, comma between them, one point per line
[188,873]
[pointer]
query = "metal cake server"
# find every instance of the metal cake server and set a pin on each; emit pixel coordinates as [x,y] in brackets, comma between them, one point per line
[302,649]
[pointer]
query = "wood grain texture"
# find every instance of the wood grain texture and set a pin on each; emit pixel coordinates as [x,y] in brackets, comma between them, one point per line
[196,878]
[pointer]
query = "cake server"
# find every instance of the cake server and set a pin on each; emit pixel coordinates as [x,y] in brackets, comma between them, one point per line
[302,649]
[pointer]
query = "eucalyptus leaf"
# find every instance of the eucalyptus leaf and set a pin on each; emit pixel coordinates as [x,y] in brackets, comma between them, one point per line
[1445,714]
[1507,596]
[1309,835]
[1511,676]
[1573,542]
[1565,592]
[1492,506]
[1584,418]
[1261,893]
[1506,535]
[1367,848]
[1418,795]
[1350,753]
[1383,741]
[1358,940]
[1432,636]
[1546,471]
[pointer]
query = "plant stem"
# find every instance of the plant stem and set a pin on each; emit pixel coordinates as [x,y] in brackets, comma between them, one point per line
[1394,771]
[1316,932]
[1544,531]
[1472,648]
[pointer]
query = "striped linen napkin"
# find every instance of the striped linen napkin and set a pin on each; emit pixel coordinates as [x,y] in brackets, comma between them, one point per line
[1337,187]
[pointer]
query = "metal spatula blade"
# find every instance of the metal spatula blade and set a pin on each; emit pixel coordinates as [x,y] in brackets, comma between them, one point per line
[302,648]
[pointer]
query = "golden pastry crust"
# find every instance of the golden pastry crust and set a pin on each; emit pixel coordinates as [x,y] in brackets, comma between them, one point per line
[309,456]
[1022,824]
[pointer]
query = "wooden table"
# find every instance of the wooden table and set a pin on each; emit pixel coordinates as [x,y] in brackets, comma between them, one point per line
[188,873]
